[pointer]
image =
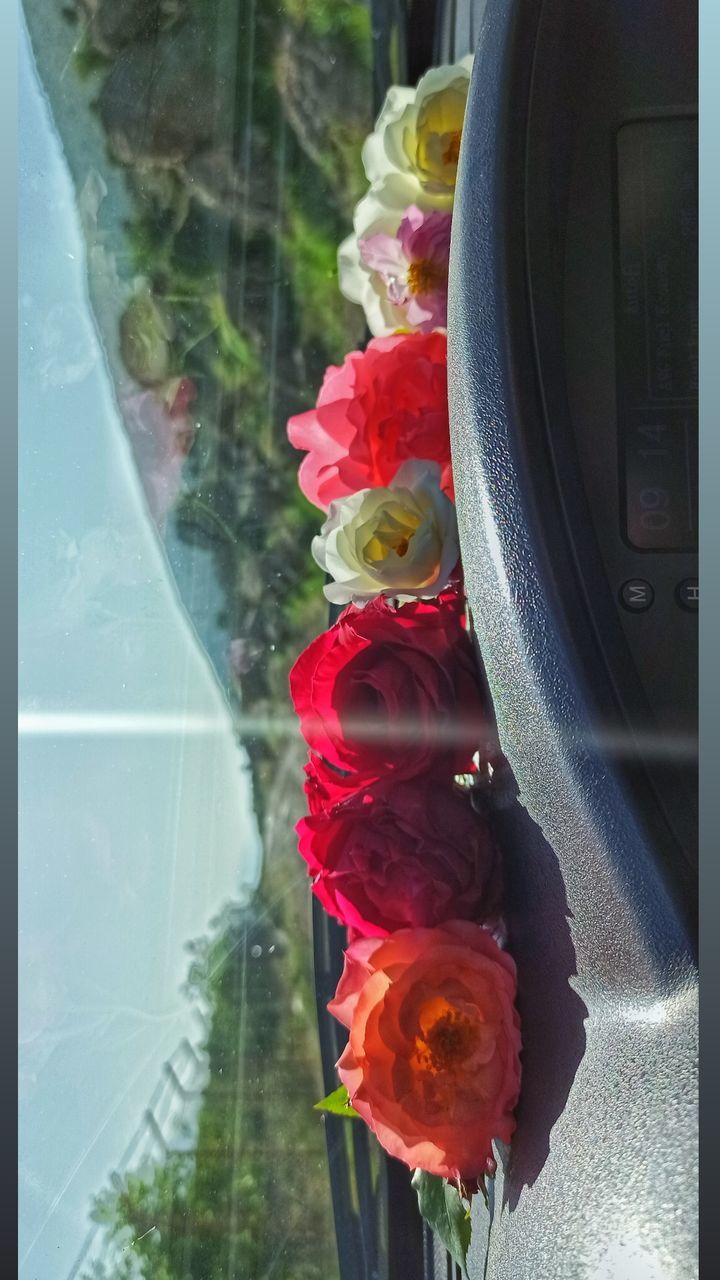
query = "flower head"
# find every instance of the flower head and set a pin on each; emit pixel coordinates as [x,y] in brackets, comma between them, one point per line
[398,541]
[432,1062]
[380,407]
[414,149]
[400,277]
[390,693]
[401,854]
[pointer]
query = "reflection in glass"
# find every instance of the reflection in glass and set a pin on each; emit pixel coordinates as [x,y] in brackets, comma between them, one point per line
[203,171]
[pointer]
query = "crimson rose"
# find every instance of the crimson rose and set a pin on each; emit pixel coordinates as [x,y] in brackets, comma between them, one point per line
[402,855]
[392,692]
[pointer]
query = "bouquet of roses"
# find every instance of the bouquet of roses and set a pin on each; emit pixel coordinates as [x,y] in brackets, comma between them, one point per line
[389,699]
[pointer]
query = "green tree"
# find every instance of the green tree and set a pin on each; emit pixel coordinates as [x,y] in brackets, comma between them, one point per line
[233,1205]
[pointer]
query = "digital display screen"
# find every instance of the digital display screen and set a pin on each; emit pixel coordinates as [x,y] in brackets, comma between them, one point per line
[657,332]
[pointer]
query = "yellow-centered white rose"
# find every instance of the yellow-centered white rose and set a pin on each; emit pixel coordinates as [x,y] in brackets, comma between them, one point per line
[412,155]
[397,541]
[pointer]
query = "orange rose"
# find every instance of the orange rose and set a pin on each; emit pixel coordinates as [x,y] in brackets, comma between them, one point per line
[432,1062]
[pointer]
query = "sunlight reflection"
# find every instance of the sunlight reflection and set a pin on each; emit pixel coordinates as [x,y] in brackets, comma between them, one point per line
[630,1260]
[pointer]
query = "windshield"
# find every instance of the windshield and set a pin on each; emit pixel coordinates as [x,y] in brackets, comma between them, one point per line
[188,170]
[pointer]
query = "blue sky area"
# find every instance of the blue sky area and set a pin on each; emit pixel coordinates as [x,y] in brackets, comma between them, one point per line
[135,807]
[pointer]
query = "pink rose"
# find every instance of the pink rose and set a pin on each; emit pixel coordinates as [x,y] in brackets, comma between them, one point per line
[381,407]
[413,266]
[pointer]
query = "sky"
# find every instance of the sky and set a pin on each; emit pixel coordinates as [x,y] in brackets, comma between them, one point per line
[136,819]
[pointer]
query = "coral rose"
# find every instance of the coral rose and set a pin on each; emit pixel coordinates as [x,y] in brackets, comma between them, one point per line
[404,855]
[432,1062]
[393,692]
[381,407]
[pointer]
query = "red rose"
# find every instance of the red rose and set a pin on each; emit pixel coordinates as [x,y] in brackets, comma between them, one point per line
[325,787]
[392,692]
[382,406]
[432,1062]
[402,855]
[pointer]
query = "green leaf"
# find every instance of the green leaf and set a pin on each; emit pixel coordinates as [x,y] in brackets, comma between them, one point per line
[443,1208]
[337,1103]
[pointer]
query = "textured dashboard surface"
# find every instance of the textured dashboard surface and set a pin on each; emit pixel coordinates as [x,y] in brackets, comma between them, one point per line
[600,1182]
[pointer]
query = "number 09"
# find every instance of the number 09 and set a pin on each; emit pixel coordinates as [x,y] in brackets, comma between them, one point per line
[654,503]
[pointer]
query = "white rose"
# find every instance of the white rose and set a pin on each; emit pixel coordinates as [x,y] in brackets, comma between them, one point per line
[397,541]
[411,157]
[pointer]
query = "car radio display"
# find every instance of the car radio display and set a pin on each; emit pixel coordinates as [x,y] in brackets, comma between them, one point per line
[657,333]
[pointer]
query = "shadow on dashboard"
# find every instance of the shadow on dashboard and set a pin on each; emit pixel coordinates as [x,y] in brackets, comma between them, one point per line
[553,1014]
